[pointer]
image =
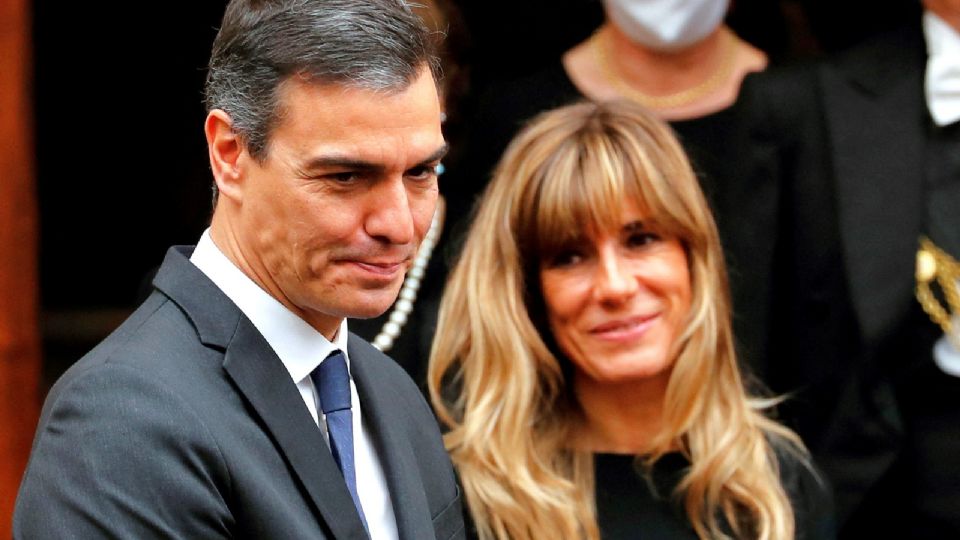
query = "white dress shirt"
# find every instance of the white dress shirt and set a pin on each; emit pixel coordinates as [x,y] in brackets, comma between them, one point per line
[302,348]
[942,80]
[946,356]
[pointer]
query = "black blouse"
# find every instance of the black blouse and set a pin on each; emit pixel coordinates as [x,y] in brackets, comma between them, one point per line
[634,505]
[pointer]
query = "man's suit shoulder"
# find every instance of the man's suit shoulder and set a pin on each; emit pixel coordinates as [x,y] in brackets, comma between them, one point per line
[157,342]
[113,426]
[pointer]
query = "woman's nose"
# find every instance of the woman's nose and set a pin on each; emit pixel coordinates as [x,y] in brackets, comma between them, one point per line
[614,279]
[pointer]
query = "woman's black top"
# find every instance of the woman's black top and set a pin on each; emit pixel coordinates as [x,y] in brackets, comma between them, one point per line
[633,505]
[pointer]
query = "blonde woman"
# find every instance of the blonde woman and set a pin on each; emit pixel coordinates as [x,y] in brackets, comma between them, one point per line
[584,362]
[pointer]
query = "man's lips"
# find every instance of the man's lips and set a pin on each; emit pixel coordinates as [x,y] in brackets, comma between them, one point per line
[624,328]
[384,268]
[380,266]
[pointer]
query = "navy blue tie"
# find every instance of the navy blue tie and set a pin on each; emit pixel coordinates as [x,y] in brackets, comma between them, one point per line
[333,387]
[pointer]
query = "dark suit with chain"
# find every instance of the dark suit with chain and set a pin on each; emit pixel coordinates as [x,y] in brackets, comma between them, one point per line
[861,175]
[185,424]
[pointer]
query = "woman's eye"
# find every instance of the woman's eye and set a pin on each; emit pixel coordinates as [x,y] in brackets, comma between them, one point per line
[639,239]
[565,258]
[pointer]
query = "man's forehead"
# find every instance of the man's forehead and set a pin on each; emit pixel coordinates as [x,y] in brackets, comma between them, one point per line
[313,96]
[330,118]
[352,84]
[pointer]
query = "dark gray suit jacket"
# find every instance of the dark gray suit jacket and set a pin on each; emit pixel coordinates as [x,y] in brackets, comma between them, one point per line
[846,140]
[185,424]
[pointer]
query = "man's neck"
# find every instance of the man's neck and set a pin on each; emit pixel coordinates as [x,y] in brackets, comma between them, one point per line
[229,245]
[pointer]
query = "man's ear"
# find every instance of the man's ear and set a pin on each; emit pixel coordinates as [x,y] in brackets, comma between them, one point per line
[225,149]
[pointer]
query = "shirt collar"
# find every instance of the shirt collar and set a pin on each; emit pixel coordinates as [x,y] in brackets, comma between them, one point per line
[940,36]
[300,347]
[942,77]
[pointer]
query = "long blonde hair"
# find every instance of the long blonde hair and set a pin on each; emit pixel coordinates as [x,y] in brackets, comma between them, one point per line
[499,384]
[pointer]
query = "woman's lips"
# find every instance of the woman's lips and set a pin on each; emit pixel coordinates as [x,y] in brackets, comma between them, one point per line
[624,329]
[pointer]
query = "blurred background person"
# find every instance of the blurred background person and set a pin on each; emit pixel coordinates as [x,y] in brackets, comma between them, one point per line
[677,58]
[865,149]
[584,359]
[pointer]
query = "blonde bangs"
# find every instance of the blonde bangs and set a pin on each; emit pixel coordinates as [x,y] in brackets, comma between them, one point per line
[579,189]
[584,182]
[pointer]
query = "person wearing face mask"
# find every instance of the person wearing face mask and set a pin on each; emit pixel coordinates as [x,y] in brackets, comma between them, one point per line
[678,59]
[673,56]
[584,362]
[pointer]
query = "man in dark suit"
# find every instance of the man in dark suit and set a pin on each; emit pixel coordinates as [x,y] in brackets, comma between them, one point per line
[234,403]
[867,166]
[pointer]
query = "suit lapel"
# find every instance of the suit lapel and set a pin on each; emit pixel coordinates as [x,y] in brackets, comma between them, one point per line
[876,127]
[384,411]
[262,379]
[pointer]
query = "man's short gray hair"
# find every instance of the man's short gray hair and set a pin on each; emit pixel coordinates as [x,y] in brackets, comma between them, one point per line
[379,45]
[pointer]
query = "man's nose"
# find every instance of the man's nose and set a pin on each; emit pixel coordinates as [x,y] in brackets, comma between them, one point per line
[390,217]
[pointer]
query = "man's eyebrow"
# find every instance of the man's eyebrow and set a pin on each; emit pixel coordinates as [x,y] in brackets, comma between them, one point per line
[339,162]
[638,225]
[334,161]
[438,155]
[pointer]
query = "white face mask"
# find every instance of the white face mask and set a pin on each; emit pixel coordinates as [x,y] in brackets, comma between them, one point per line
[666,25]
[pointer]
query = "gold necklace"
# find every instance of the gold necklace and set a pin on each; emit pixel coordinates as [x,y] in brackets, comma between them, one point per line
[934,263]
[686,96]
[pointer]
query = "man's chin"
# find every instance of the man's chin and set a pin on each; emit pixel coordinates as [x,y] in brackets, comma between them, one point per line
[371,308]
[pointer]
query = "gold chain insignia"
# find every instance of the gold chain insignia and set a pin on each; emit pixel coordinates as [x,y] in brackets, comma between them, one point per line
[934,264]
